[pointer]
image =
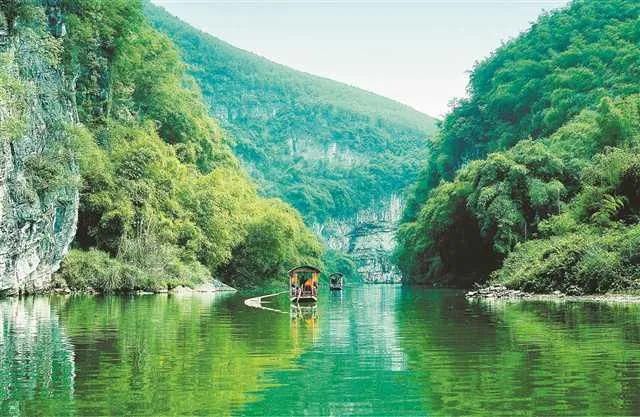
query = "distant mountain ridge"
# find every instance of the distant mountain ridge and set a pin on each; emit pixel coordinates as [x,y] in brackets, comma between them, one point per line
[331,150]
[243,63]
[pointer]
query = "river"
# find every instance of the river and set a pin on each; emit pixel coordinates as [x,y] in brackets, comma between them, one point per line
[370,350]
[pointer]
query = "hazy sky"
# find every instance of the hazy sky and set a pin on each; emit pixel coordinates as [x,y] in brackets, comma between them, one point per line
[417,52]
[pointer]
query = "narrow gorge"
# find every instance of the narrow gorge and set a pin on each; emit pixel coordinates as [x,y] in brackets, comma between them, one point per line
[369,237]
[343,157]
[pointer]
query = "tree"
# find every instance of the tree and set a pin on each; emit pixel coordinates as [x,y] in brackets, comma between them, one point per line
[18,10]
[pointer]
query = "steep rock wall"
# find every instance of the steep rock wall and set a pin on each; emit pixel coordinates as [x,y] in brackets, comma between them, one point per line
[38,187]
[368,238]
[369,235]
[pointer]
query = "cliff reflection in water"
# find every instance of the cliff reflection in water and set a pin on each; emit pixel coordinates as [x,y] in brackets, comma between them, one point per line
[36,359]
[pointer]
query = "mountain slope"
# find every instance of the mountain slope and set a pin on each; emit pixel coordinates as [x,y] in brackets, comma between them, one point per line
[338,154]
[101,128]
[540,163]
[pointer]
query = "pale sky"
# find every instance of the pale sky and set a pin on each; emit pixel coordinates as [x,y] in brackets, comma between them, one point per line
[417,52]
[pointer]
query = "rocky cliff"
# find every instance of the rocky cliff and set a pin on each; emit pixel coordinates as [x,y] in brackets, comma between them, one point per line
[38,176]
[368,238]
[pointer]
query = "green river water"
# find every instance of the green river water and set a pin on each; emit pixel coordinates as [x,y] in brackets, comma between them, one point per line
[370,350]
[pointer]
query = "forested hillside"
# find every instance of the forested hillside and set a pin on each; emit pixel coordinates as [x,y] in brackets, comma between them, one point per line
[326,148]
[535,176]
[163,201]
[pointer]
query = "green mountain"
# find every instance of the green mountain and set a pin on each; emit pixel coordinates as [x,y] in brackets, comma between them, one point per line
[535,175]
[106,131]
[340,155]
[325,147]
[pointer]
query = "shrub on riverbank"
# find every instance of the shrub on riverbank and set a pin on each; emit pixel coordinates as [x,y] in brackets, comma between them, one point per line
[585,262]
[142,264]
[563,196]
[594,244]
[276,240]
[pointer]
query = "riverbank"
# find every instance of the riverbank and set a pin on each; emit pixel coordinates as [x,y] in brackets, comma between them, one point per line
[210,287]
[500,292]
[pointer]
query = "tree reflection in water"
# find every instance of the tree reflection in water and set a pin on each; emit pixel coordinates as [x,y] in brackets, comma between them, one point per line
[36,359]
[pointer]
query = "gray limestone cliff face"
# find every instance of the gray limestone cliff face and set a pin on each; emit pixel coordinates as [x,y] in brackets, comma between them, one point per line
[38,176]
[369,235]
[369,238]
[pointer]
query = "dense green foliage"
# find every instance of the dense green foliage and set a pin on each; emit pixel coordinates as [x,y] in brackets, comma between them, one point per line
[15,12]
[324,147]
[12,98]
[337,261]
[275,238]
[563,94]
[163,200]
[566,62]
[594,244]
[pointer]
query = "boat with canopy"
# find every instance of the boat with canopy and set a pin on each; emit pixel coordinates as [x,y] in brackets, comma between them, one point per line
[303,284]
[336,281]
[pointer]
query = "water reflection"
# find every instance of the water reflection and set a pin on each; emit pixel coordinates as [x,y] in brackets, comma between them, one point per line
[139,355]
[530,358]
[356,365]
[368,350]
[36,359]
